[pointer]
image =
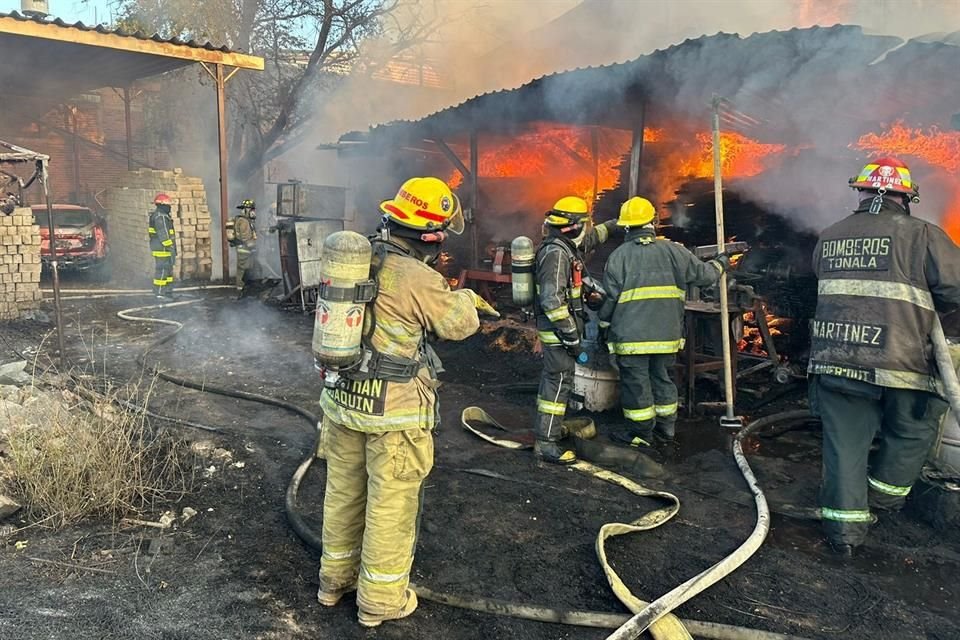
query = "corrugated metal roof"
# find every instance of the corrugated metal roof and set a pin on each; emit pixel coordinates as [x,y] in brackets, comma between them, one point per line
[139,35]
[55,59]
[680,79]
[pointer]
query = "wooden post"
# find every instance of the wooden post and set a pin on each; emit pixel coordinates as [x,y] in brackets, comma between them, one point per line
[595,150]
[474,201]
[222,137]
[636,153]
[729,418]
[128,123]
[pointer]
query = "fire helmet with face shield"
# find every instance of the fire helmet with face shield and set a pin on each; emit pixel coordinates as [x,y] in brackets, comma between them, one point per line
[887,175]
[568,211]
[249,207]
[636,212]
[427,205]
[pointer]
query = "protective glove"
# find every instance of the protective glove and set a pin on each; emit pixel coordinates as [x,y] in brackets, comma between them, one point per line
[723,260]
[482,306]
[571,343]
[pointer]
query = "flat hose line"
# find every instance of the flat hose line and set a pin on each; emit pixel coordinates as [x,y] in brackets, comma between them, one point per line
[656,616]
[663,626]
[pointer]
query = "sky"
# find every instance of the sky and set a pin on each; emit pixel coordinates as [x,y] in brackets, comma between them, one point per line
[88,12]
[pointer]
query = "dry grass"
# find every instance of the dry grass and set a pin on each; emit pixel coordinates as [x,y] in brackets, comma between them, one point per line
[68,462]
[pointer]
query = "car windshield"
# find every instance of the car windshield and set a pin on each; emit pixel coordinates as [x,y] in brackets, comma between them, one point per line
[64,217]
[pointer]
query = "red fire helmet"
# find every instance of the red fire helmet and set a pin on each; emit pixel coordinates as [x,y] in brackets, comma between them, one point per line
[889,174]
[162,198]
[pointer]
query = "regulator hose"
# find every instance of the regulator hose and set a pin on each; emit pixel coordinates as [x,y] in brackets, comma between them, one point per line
[714,631]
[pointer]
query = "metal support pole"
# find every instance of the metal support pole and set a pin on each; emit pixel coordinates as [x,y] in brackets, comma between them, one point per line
[222,136]
[636,153]
[54,271]
[474,201]
[128,123]
[729,418]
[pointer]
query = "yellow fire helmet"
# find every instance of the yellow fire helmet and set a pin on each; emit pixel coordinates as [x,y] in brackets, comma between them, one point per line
[425,204]
[636,212]
[567,211]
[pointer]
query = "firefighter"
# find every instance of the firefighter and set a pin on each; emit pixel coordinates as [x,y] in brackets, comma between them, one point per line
[163,245]
[558,305]
[645,281]
[245,240]
[377,432]
[882,276]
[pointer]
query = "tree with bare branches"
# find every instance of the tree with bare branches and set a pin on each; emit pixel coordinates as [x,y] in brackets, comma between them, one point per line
[307,44]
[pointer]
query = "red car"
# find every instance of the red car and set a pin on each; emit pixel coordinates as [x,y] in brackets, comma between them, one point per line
[81,238]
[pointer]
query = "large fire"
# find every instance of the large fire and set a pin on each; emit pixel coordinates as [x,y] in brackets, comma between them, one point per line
[937,148]
[740,156]
[561,156]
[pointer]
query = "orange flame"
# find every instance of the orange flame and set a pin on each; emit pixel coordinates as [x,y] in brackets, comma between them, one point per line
[939,149]
[935,147]
[740,156]
[562,156]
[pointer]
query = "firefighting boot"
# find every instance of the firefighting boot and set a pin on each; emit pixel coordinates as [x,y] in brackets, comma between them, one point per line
[642,440]
[331,598]
[665,430]
[551,451]
[373,620]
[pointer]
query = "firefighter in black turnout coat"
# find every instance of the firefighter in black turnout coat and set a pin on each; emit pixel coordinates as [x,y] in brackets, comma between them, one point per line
[883,275]
[560,270]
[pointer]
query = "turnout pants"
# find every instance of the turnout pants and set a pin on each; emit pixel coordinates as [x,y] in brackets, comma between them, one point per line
[244,264]
[907,422]
[556,384]
[371,512]
[648,394]
[162,275]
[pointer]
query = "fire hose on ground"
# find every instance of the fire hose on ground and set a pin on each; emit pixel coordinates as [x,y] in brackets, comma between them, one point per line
[654,616]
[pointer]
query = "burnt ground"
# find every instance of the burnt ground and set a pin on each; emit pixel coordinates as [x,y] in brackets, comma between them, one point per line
[237,571]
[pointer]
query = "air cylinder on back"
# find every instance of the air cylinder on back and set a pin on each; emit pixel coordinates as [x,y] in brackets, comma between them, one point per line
[522,258]
[338,322]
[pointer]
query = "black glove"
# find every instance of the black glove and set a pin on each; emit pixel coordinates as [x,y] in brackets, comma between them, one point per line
[603,332]
[724,261]
[571,343]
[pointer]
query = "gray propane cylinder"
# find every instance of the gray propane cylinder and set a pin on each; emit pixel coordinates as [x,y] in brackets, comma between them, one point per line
[338,322]
[522,257]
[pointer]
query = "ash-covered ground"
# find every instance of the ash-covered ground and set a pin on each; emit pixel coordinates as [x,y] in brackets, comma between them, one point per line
[236,570]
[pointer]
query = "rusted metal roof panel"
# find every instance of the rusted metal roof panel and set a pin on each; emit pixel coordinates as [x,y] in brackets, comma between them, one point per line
[44,57]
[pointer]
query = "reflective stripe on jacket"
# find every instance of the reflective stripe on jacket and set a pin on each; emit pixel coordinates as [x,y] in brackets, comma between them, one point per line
[646,281]
[558,300]
[162,236]
[412,300]
[882,278]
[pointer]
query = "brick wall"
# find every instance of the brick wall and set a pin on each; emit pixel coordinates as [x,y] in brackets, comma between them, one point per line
[19,264]
[127,212]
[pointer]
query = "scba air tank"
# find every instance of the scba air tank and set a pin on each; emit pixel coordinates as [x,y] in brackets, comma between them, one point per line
[345,288]
[522,258]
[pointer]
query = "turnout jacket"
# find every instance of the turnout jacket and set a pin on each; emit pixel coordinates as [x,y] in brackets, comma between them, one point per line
[245,233]
[882,277]
[413,302]
[162,237]
[646,279]
[558,305]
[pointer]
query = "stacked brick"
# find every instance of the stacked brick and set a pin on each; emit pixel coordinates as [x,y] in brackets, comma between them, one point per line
[128,209]
[19,264]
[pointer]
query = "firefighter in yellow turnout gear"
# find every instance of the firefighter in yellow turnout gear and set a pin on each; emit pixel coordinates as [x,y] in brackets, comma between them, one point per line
[245,241]
[377,432]
[163,245]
